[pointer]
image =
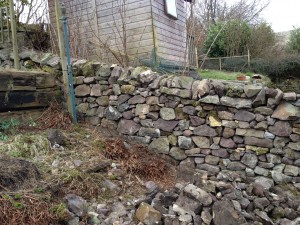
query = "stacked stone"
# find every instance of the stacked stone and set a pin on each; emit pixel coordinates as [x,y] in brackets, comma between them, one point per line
[218,125]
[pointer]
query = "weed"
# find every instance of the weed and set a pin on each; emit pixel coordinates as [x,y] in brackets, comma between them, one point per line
[39,190]
[60,210]
[8,127]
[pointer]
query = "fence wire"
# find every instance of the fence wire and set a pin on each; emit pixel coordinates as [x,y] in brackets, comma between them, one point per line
[235,64]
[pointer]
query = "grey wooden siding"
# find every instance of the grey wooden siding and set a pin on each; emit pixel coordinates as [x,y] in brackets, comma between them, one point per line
[171,33]
[138,26]
[93,20]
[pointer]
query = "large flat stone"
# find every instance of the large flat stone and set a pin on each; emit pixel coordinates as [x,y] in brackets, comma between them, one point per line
[282,129]
[286,111]
[165,125]
[267,143]
[238,103]
[205,131]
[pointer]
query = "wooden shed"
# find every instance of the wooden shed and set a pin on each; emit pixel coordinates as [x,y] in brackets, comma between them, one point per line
[143,30]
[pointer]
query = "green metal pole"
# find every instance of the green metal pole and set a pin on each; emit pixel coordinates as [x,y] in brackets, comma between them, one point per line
[14,35]
[68,54]
[63,59]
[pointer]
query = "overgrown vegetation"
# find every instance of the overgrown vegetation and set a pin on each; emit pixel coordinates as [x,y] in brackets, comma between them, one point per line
[41,199]
[7,127]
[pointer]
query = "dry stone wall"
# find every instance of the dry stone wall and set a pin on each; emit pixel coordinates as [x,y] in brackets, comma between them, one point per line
[206,125]
[201,124]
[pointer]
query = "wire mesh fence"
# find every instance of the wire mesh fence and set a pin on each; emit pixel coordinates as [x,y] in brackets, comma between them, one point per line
[233,63]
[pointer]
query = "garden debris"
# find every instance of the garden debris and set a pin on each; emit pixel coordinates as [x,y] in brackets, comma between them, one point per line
[54,117]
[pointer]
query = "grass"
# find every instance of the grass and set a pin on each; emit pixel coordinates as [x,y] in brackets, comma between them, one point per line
[220,75]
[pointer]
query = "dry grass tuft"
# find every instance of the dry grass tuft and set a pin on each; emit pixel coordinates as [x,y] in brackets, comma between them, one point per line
[26,209]
[140,162]
[54,117]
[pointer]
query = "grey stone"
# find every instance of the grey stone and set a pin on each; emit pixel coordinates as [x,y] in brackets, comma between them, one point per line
[151,132]
[196,121]
[264,216]
[200,88]
[190,110]
[128,127]
[76,204]
[201,142]
[286,111]
[269,135]
[137,99]
[198,194]
[82,107]
[236,166]
[261,171]
[185,142]
[95,91]
[167,113]
[275,159]
[211,169]
[55,136]
[147,77]
[260,98]
[291,170]
[280,178]
[250,133]
[282,129]
[147,214]
[227,143]
[112,113]
[263,110]
[243,115]
[267,143]
[213,160]
[183,93]
[223,153]
[290,96]
[265,182]
[183,125]
[206,217]
[142,109]
[103,101]
[225,115]
[228,132]
[82,90]
[165,125]
[183,82]
[250,160]
[186,170]
[115,74]
[147,123]
[266,165]
[294,145]
[219,87]
[280,142]
[177,153]
[224,214]
[160,145]
[211,99]
[230,124]
[261,203]
[252,90]
[238,103]
[205,130]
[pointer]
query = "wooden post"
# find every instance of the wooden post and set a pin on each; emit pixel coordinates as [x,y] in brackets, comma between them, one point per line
[62,51]
[248,58]
[220,64]
[196,57]
[14,35]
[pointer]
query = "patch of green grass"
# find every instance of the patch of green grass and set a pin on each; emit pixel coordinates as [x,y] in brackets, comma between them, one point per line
[220,75]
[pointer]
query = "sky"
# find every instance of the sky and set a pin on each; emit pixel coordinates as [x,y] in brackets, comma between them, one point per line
[282,15]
